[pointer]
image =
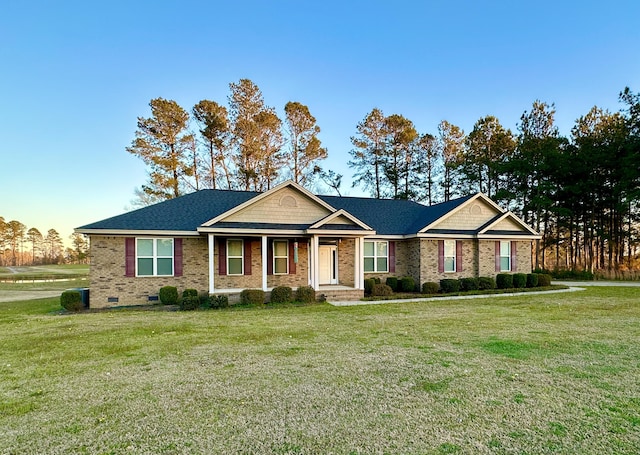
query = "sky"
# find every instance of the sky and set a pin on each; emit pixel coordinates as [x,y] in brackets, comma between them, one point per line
[75,75]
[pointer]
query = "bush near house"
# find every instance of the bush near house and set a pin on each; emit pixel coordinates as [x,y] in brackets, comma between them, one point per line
[407,284]
[544,279]
[392,282]
[305,294]
[168,295]
[219,301]
[252,297]
[368,285]
[486,282]
[532,280]
[71,300]
[469,284]
[449,285]
[504,281]
[281,294]
[381,289]
[430,287]
[519,280]
[190,300]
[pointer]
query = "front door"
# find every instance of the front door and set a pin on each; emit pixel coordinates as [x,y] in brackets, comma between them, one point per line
[327,259]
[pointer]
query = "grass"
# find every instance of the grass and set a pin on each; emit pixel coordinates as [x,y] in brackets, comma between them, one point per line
[554,373]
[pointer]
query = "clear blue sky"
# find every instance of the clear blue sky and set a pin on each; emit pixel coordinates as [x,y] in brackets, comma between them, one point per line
[74,76]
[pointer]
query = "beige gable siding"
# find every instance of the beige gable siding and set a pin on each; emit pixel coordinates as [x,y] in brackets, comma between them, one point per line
[507,225]
[341,220]
[284,206]
[472,216]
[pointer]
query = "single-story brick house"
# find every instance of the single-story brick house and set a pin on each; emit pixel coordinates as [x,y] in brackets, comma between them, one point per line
[224,241]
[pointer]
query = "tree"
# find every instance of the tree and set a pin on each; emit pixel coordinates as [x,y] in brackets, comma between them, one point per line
[270,157]
[53,243]
[162,142]
[330,178]
[213,120]
[3,239]
[397,160]
[14,234]
[80,251]
[451,141]
[305,148]
[367,156]
[35,237]
[426,150]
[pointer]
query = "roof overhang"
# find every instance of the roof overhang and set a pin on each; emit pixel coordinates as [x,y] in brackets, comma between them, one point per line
[336,214]
[129,232]
[513,217]
[469,201]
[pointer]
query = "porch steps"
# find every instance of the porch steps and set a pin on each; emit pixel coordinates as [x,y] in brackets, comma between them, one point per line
[340,294]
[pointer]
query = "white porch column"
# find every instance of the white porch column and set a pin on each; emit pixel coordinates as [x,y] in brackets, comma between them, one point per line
[356,263]
[265,258]
[360,260]
[212,268]
[315,276]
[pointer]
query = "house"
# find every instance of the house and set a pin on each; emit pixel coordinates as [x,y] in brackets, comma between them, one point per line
[224,241]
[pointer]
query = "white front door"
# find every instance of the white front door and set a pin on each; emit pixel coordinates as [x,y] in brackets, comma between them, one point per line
[327,255]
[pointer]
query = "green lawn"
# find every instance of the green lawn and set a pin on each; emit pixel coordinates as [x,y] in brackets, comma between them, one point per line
[557,373]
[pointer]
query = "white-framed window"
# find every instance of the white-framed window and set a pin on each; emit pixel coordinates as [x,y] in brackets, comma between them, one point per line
[376,256]
[505,256]
[280,257]
[235,257]
[449,255]
[154,257]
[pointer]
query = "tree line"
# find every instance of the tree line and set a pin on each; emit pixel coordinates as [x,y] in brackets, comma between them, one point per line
[580,192]
[20,246]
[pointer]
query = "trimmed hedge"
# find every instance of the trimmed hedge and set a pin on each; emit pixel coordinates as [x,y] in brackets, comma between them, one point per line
[168,295]
[407,284]
[368,285]
[486,282]
[392,282]
[430,287]
[469,284]
[190,300]
[219,301]
[252,297]
[519,280]
[532,280]
[305,294]
[504,281]
[71,300]
[381,289]
[281,294]
[544,279]
[449,285]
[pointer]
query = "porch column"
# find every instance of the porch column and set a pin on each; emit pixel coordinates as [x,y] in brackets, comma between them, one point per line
[360,261]
[356,263]
[265,258]
[315,277]
[212,269]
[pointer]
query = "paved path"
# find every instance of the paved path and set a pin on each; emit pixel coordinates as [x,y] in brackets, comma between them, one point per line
[15,296]
[635,284]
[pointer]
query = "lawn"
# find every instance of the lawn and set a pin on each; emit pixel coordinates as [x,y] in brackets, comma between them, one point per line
[557,373]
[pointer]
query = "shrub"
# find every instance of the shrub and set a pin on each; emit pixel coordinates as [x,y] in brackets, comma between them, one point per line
[486,282]
[407,284]
[305,294]
[368,285]
[252,297]
[377,280]
[281,294]
[71,300]
[219,301]
[519,280]
[532,280]
[168,295]
[449,285]
[504,281]
[430,287]
[392,282]
[469,284]
[190,300]
[544,279]
[381,289]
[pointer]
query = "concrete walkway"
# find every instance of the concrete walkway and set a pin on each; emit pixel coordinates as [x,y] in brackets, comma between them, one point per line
[453,297]
[16,296]
[634,284]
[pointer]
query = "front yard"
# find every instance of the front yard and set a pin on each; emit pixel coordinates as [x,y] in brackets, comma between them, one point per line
[554,373]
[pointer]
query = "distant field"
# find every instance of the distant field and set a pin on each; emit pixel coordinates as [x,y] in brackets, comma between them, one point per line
[534,374]
[44,277]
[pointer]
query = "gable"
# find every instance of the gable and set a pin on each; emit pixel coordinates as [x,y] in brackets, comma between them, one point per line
[284,205]
[468,217]
[507,224]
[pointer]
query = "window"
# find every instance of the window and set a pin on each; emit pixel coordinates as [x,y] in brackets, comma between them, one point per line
[235,262]
[280,257]
[376,256]
[154,257]
[449,255]
[505,256]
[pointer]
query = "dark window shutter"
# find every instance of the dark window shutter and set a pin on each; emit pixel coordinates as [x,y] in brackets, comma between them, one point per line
[177,257]
[514,256]
[222,257]
[270,258]
[497,256]
[247,257]
[458,256]
[440,256]
[130,256]
[292,262]
[392,257]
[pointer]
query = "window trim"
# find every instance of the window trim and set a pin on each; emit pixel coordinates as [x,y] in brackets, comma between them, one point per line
[241,257]
[273,246]
[154,257]
[508,256]
[375,256]
[454,256]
